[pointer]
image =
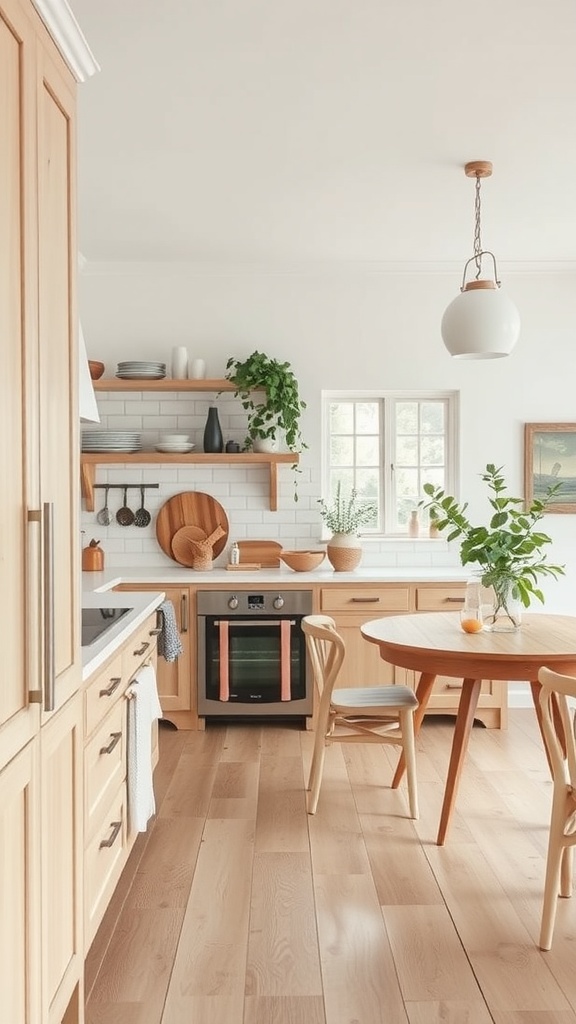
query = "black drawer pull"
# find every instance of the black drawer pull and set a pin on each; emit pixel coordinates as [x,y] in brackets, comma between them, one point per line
[365,600]
[115,826]
[455,600]
[155,632]
[115,740]
[114,684]
[144,647]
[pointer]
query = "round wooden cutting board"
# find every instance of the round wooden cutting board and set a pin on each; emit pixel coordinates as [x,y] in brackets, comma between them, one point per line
[191,508]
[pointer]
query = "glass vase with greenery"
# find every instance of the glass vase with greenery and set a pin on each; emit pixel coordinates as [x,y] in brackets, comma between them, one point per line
[508,551]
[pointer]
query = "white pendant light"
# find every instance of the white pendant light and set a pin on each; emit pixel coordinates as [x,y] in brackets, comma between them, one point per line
[482,322]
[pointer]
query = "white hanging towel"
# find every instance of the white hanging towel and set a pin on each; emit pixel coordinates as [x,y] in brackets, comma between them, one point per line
[143,709]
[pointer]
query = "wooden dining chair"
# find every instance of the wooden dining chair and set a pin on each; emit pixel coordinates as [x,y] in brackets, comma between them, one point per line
[558,730]
[367,714]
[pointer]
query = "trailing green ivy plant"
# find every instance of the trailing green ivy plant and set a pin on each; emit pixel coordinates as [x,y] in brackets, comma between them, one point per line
[269,392]
[508,550]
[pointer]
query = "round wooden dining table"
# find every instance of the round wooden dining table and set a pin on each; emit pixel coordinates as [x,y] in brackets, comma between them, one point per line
[434,644]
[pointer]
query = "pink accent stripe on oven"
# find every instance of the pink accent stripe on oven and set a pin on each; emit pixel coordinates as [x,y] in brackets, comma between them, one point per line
[224,693]
[285,682]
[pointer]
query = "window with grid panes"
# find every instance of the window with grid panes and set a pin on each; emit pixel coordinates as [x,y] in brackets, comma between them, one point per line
[387,446]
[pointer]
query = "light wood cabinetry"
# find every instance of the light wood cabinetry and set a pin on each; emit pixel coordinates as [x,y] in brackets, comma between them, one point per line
[89,461]
[351,607]
[108,837]
[177,679]
[40,923]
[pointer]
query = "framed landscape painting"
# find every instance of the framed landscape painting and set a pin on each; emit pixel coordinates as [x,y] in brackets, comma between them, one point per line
[550,458]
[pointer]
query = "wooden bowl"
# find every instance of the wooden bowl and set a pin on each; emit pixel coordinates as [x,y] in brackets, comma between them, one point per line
[302,561]
[96,369]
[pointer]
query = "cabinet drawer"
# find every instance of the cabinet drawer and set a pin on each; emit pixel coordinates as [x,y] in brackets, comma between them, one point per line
[104,765]
[103,862]
[139,648]
[102,693]
[440,599]
[368,601]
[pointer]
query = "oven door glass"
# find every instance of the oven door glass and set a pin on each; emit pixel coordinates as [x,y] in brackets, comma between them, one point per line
[256,660]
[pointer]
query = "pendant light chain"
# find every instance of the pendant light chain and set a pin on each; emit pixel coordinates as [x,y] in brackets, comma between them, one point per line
[477,240]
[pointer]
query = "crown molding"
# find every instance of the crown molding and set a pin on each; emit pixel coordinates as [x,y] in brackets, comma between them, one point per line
[322,268]
[68,36]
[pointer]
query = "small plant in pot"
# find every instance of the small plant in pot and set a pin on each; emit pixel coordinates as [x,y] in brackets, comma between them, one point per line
[508,551]
[278,409]
[344,516]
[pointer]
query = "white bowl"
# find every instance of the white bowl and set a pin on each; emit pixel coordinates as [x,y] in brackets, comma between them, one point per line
[174,438]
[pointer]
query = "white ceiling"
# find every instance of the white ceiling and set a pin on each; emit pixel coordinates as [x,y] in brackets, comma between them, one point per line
[290,131]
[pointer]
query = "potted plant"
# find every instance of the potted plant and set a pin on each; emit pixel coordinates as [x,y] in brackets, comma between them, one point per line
[277,408]
[508,551]
[343,516]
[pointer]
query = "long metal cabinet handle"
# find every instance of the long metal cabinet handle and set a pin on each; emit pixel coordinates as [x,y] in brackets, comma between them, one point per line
[49,650]
[35,516]
[365,600]
[184,615]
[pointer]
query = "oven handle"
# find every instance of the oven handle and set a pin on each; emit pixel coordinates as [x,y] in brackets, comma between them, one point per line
[254,623]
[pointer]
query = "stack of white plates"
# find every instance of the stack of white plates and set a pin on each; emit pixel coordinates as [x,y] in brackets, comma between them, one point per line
[174,447]
[110,441]
[135,369]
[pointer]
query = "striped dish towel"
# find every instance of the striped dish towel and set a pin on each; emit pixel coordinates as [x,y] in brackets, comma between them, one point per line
[169,644]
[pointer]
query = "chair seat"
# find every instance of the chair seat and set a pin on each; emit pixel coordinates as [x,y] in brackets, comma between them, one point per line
[371,699]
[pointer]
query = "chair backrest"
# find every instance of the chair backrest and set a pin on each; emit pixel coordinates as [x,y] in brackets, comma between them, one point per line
[558,723]
[326,650]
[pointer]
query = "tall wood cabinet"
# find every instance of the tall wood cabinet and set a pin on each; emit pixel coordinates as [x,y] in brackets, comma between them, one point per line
[41,948]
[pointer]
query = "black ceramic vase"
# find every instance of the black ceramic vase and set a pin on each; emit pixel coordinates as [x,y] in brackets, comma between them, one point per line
[213,439]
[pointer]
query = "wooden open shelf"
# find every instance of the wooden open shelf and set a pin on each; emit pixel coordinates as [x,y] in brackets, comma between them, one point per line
[164,384]
[89,461]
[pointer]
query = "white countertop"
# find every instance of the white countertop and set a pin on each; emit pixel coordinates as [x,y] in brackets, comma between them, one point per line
[141,605]
[180,575]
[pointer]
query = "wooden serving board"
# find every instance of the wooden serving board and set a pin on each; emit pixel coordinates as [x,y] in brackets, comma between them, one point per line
[243,566]
[191,508]
[266,552]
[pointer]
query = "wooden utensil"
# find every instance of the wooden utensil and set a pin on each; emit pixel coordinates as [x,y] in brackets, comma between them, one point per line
[125,515]
[182,549]
[191,508]
[266,552]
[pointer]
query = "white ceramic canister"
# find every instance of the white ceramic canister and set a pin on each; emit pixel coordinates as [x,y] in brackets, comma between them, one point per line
[197,369]
[179,362]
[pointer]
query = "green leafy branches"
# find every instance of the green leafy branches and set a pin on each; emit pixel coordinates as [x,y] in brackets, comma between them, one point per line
[509,549]
[345,514]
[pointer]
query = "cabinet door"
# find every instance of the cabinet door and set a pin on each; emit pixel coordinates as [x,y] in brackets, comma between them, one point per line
[57,343]
[18,718]
[19,889]
[175,677]
[351,607]
[61,748]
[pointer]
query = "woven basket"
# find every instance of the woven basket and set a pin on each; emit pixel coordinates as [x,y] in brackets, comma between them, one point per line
[344,559]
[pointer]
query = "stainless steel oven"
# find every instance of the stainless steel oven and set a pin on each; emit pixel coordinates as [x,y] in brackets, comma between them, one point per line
[252,653]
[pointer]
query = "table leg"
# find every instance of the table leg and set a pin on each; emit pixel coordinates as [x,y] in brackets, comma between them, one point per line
[423,691]
[464,720]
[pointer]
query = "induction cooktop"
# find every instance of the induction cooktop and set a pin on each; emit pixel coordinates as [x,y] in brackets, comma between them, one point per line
[95,622]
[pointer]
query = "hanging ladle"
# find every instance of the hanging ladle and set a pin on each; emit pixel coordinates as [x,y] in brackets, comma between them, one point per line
[125,515]
[104,517]
[142,516]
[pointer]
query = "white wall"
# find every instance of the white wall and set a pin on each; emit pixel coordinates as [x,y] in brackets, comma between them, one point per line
[340,327]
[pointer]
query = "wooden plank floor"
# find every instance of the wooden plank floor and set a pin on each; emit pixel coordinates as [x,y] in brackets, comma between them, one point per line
[237,907]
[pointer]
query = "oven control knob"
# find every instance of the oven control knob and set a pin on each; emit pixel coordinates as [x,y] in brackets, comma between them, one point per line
[278,602]
[233,602]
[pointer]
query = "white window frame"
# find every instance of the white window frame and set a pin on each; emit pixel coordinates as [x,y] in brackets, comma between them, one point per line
[387,445]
